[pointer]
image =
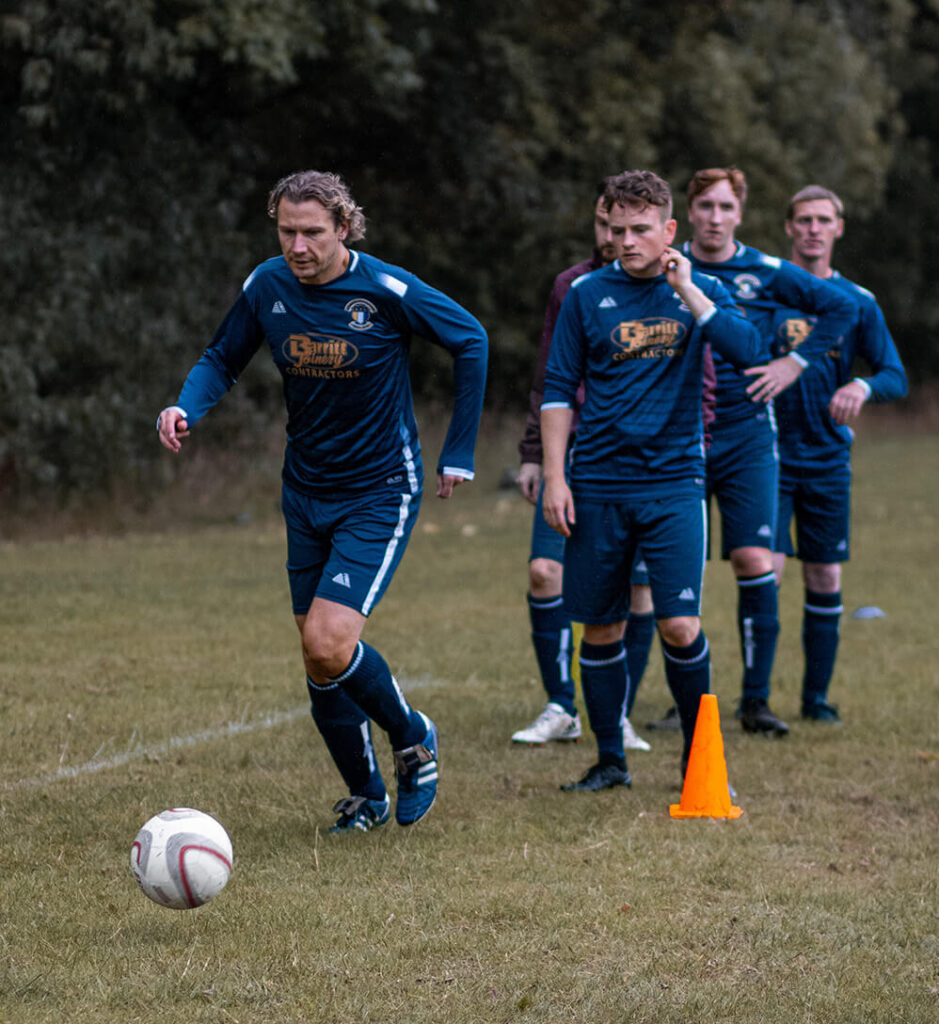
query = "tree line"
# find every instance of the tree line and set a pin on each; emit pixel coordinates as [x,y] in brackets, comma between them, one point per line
[140,139]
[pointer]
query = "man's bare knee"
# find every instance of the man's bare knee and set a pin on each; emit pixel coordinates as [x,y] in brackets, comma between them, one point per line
[606,634]
[821,578]
[681,631]
[545,577]
[329,633]
[326,651]
[751,561]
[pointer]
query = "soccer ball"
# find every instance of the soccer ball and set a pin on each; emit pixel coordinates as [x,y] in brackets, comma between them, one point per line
[181,858]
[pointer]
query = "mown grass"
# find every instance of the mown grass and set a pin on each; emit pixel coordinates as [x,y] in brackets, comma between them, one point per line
[512,901]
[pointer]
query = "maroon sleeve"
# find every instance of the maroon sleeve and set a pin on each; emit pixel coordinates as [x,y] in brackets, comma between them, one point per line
[708,394]
[529,447]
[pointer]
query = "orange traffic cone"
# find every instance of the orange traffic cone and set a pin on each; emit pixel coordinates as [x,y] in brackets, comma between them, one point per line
[705,793]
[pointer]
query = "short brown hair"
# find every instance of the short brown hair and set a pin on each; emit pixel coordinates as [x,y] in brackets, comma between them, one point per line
[704,179]
[326,188]
[811,193]
[637,188]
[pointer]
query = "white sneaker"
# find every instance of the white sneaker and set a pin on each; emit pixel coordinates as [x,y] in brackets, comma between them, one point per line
[554,723]
[631,740]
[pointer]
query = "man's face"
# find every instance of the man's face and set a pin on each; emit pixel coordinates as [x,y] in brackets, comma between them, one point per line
[310,241]
[608,231]
[814,228]
[714,216]
[646,235]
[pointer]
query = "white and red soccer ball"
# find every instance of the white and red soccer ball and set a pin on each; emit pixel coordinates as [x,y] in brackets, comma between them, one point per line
[181,858]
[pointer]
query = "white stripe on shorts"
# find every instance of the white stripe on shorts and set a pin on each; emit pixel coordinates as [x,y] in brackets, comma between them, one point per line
[403,512]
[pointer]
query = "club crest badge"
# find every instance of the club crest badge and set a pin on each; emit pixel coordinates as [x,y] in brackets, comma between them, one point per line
[747,286]
[360,312]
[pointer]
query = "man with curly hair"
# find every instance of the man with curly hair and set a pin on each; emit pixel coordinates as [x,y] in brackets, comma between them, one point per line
[338,323]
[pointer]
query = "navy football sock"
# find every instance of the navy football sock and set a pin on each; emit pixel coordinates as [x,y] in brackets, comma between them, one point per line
[688,673]
[820,634]
[346,730]
[758,622]
[639,632]
[368,681]
[603,680]
[551,636]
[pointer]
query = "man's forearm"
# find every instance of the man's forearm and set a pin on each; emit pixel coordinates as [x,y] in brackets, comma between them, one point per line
[555,431]
[697,302]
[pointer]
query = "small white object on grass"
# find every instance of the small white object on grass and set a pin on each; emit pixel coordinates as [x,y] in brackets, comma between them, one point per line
[869,611]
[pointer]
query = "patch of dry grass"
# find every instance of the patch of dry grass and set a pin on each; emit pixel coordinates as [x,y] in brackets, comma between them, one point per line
[512,901]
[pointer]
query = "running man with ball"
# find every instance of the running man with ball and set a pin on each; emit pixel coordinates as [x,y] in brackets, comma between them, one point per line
[338,324]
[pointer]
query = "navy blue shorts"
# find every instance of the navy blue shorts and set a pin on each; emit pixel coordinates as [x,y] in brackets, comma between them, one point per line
[820,501]
[546,542]
[346,550]
[743,476]
[599,556]
[640,574]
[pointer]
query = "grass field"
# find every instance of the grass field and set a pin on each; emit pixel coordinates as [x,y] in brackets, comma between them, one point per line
[150,669]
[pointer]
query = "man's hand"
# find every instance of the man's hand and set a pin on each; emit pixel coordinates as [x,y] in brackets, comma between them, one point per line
[172,427]
[558,505]
[773,378]
[446,484]
[677,269]
[846,402]
[529,480]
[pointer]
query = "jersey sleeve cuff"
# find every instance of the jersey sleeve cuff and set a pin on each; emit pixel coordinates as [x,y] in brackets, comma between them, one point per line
[795,355]
[707,315]
[556,405]
[464,474]
[865,385]
[171,408]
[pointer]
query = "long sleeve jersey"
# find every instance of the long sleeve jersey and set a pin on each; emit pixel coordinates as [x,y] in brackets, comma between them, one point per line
[808,436]
[342,351]
[760,284]
[529,447]
[640,352]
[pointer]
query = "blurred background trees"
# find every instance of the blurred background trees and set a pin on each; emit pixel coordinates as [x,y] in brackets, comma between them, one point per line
[140,138]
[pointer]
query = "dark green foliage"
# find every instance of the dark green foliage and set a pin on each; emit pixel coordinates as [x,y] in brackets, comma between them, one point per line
[140,139]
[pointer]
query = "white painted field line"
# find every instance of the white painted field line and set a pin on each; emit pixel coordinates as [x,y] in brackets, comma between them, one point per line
[156,750]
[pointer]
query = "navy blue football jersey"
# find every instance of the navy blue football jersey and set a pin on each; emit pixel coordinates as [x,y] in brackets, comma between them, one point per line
[760,284]
[639,350]
[342,352]
[808,436]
